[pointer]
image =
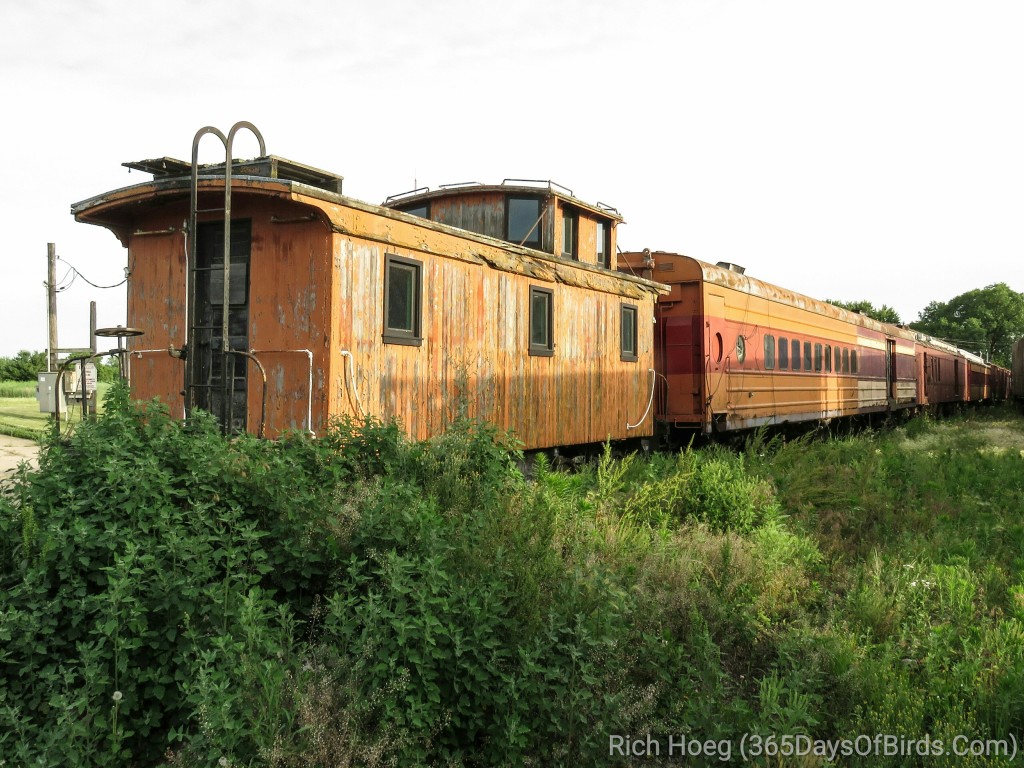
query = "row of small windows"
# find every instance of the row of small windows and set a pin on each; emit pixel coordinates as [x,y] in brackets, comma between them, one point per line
[794,356]
[403,300]
[523,224]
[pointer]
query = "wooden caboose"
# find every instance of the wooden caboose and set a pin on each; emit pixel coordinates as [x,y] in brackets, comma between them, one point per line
[498,302]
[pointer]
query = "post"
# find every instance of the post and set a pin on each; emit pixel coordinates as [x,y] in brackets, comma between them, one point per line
[51,304]
[92,350]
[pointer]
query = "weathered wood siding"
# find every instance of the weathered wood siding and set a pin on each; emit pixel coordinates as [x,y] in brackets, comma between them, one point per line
[290,284]
[474,355]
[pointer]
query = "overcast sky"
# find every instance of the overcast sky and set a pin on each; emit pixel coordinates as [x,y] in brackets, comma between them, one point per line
[847,150]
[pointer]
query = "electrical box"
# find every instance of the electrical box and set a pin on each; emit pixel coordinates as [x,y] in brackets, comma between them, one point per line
[73,381]
[46,392]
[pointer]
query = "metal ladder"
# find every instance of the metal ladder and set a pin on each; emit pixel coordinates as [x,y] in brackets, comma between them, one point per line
[228,355]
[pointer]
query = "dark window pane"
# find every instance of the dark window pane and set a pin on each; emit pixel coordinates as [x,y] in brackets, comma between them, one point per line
[541,325]
[853,361]
[628,333]
[401,298]
[807,355]
[828,358]
[523,213]
[817,357]
[602,244]
[846,361]
[783,353]
[569,232]
[796,355]
[769,352]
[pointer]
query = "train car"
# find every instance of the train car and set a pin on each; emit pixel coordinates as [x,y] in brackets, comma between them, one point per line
[942,373]
[1000,383]
[1017,371]
[339,307]
[738,353]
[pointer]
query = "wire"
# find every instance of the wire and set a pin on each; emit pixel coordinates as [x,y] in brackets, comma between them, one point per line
[90,282]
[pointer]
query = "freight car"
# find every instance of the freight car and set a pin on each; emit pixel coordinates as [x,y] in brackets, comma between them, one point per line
[1017,375]
[272,300]
[735,353]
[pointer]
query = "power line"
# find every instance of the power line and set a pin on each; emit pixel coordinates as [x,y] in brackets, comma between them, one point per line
[90,282]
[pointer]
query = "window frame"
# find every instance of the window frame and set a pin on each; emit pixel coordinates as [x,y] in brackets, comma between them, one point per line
[571,215]
[603,243]
[624,354]
[536,240]
[391,335]
[547,349]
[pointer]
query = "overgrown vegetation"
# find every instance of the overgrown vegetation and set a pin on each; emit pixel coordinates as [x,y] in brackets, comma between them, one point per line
[168,596]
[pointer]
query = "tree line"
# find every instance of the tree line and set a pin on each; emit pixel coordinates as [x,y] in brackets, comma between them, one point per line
[25,365]
[986,321]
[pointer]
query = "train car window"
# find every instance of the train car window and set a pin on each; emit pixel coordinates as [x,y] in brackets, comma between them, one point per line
[846,361]
[719,347]
[853,361]
[570,226]
[423,210]
[769,352]
[604,241]
[542,322]
[783,353]
[796,355]
[627,332]
[828,358]
[522,221]
[403,288]
[807,355]
[839,360]
[817,357]
[741,349]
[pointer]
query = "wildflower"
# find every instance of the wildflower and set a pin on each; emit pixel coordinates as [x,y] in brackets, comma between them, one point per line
[222,762]
[117,696]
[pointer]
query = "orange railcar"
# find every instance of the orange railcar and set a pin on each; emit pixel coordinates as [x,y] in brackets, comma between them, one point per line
[351,308]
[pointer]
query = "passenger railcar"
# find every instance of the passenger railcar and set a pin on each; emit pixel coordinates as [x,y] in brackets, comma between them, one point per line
[499,302]
[736,352]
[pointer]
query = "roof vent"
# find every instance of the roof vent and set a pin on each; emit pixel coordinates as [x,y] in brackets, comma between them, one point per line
[731,267]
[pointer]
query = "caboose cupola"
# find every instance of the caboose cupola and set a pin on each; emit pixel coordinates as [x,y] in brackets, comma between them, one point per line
[541,215]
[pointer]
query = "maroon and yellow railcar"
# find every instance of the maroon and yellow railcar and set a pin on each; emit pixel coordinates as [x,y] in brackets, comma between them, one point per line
[350,308]
[737,353]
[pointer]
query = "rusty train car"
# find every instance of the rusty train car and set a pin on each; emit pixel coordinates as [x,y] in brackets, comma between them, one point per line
[274,301]
[271,299]
[1016,383]
[736,353]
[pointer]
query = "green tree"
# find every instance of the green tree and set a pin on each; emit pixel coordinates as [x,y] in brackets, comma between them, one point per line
[986,321]
[883,314]
[22,367]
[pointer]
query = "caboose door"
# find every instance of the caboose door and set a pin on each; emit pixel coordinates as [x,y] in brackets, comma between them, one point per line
[219,381]
[716,359]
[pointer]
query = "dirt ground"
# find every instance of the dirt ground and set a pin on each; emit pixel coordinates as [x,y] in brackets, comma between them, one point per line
[13,451]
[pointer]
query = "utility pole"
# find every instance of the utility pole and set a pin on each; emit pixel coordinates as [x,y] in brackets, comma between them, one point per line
[51,303]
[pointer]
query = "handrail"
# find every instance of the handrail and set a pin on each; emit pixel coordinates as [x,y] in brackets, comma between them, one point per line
[650,402]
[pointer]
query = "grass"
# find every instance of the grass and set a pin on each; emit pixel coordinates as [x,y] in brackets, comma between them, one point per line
[20,415]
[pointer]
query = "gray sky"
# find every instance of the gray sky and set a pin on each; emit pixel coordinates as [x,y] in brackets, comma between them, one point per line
[847,150]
